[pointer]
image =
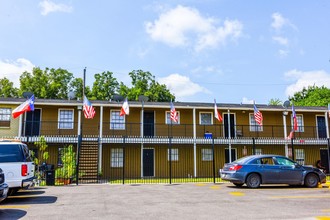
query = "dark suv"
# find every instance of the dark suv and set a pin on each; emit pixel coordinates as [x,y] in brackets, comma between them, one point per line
[17,165]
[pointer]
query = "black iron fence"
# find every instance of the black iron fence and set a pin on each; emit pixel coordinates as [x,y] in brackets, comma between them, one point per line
[47,128]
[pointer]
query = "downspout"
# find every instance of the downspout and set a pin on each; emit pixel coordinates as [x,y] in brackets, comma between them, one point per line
[229,136]
[100,139]
[194,138]
[327,122]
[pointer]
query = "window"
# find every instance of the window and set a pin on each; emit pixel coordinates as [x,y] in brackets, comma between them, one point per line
[117,157]
[258,151]
[205,118]
[300,123]
[168,118]
[5,117]
[254,126]
[65,119]
[174,154]
[207,155]
[117,122]
[300,156]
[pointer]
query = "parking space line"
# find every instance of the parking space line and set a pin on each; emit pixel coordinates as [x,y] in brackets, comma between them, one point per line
[237,194]
[323,217]
[326,210]
[215,187]
[14,206]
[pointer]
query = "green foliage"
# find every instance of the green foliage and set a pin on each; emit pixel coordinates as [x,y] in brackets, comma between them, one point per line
[275,101]
[43,155]
[48,83]
[7,88]
[68,157]
[312,96]
[144,83]
[57,83]
[77,88]
[105,86]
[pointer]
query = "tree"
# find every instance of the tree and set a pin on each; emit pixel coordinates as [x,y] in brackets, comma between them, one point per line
[105,86]
[312,96]
[77,88]
[275,101]
[144,83]
[7,88]
[48,83]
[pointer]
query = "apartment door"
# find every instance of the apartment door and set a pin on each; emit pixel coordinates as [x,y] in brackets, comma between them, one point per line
[324,157]
[233,155]
[32,123]
[321,127]
[148,123]
[148,162]
[226,125]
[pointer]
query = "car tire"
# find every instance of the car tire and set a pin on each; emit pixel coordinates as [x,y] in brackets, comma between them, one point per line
[311,180]
[12,191]
[238,184]
[253,180]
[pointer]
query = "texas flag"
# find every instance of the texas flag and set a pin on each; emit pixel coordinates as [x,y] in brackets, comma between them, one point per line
[216,112]
[26,106]
[125,108]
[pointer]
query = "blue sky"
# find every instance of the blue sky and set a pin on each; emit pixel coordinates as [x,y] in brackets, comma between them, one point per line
[234,51]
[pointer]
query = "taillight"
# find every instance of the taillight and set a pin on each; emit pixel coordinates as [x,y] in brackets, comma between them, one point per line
[235,167]
[24,170]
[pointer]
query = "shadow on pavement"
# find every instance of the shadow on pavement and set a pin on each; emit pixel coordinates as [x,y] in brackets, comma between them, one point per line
[12,213]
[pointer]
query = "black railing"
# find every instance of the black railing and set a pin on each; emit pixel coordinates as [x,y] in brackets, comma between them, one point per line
[54,128]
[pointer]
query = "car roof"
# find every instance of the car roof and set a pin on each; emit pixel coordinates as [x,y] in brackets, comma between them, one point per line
[10,141]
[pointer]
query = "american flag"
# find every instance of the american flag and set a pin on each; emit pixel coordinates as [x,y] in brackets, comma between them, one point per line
[88,109]
[257,115]
[173,114]
[294,117]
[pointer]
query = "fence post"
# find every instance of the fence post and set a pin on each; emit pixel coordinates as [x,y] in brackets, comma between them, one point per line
[170,155]
[213,159]
[292,148]
[253,146]
[124,159]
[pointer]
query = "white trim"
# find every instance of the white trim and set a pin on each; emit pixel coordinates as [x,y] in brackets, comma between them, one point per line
[203,112]
[124,120]
[58,118]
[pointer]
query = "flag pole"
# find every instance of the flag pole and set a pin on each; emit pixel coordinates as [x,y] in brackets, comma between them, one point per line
[80,129]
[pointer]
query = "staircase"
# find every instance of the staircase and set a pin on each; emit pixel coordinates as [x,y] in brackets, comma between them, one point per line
[88,162]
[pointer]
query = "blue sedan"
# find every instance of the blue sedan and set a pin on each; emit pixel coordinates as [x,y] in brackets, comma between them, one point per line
[270,169]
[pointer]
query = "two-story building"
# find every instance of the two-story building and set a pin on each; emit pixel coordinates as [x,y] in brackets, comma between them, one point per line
[147,144]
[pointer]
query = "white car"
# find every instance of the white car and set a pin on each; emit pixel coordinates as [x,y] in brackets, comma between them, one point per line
[17,165]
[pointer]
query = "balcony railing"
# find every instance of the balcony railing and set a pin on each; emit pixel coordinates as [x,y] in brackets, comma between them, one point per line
[54,128]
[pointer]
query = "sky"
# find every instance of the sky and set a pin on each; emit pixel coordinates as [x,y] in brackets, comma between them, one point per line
[234,51]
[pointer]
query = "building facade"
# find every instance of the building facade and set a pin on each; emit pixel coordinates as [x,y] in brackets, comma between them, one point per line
[147,144]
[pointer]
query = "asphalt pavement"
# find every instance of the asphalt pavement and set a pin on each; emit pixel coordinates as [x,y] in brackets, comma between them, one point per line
[176,201]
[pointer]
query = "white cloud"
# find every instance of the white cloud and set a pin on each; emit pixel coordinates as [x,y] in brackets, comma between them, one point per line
[281,40]
[184,26]
[278,21]
[182,86]
[304,79]
[283,53]
[13,69]
[247,101]
[49,6]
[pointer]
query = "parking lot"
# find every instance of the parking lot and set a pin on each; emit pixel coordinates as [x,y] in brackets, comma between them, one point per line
[176,201]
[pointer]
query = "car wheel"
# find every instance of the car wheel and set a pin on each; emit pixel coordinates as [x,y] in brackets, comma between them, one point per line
[253,180]
[238,184]
[311,180]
